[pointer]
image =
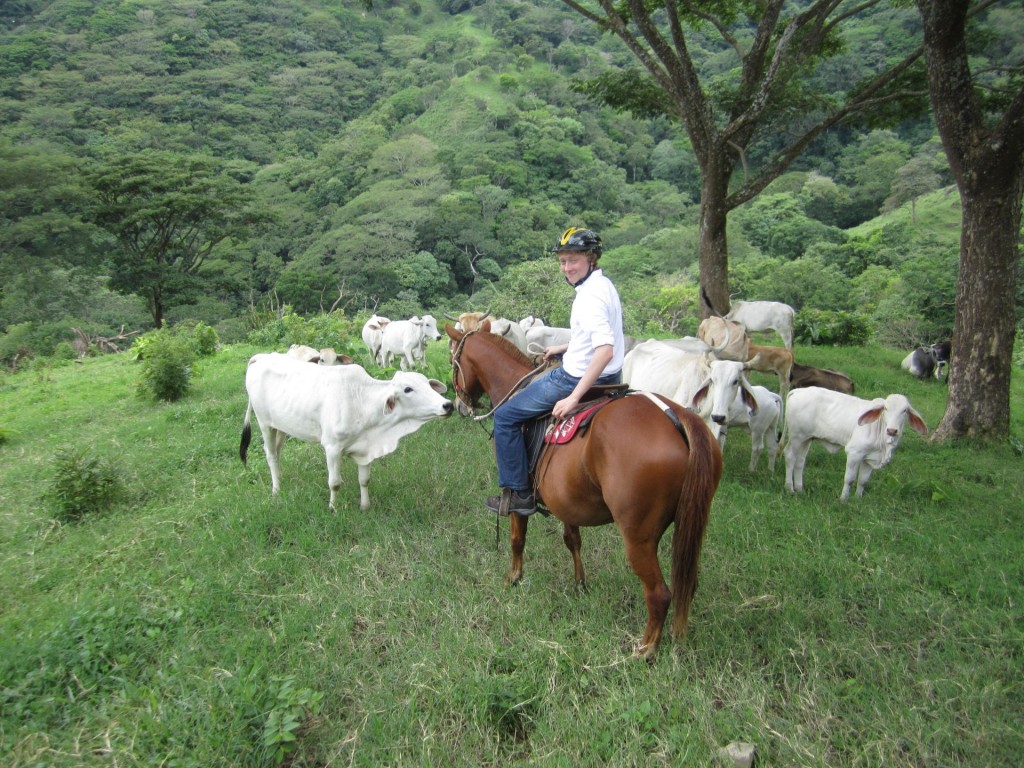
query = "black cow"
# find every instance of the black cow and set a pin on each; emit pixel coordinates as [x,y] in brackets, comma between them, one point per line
[921,362]
[942,350]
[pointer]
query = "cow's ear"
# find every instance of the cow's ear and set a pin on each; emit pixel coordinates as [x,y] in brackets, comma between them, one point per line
[748,399]
[917,422]
[438,386]
[701,393]
[871,416]
[389,404]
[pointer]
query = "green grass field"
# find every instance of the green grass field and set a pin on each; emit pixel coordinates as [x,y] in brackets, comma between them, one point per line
[201,622]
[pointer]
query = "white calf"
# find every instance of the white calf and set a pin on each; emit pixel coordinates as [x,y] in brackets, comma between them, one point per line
[762,423]
[869,431]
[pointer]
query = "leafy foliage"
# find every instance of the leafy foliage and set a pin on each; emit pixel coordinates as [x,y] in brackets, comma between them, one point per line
[822,326]
[292,706]
[82,485]
[167,366]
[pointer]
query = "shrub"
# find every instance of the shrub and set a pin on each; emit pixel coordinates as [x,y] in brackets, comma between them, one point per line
[317,331]
[167,366]
[201,338]
[826,327]
[82,485]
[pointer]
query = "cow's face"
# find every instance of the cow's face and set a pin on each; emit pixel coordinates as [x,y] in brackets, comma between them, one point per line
[417,397]
[430,328]
[727,381]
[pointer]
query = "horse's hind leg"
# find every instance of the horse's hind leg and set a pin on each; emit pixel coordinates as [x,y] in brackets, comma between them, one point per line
[517,535]
[573,540]
[643,558]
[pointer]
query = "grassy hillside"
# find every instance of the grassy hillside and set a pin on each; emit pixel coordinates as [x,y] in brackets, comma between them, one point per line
[186,625]
[936,214]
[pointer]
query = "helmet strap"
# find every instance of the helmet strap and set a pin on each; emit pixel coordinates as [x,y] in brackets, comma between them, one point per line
[582,280]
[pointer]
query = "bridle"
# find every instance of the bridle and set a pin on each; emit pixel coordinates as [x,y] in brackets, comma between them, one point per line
[460,392]
[457,372]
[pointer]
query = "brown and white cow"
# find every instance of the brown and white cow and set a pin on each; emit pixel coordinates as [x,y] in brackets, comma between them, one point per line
[343,408]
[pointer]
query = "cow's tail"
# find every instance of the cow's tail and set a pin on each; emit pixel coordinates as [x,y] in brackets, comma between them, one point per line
[780,446]
[243,449]
[700,482]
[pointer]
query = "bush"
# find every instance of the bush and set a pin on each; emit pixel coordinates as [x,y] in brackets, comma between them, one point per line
[826,327]
[82,485]
[317,331]
[200,338]
[166,366]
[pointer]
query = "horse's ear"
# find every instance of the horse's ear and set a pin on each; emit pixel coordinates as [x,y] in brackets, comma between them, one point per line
[453,334]
[485,326]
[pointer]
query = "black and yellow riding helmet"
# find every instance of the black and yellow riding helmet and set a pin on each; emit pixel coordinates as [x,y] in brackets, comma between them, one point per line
[579,239]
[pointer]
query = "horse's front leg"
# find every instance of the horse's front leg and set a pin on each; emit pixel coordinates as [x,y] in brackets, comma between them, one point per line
[517,535]
[573,540]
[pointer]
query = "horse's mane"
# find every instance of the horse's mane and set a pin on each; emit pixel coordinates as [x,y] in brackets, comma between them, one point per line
[506,346]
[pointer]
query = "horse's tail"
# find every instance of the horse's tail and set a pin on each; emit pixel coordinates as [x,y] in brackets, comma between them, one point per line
[700,482]
[243,449]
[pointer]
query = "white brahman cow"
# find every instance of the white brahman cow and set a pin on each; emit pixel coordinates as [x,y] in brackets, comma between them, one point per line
[765,316]
[324,356]
[408,340]
[499,326]
[343,408]
[699,382]
[869,431]
[373,335]
[509,330]
[540,337]
[530,321]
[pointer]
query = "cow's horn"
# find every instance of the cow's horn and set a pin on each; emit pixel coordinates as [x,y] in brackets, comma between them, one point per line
[728,335]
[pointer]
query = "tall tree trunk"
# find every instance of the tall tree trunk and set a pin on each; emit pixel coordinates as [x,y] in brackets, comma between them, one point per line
[983,330]
[987,158]
[713,247]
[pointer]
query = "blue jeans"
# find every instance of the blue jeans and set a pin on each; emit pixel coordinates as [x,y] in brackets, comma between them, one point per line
[535,399]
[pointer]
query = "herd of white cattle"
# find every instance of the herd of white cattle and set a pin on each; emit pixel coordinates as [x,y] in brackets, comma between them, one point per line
[339,405]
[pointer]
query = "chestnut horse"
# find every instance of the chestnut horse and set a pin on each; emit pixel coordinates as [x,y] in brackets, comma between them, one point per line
[633,466]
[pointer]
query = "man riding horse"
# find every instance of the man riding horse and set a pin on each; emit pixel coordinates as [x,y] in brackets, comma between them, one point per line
[593,355]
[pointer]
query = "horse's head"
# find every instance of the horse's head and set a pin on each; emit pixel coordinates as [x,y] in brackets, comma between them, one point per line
[483,363]
[464,378]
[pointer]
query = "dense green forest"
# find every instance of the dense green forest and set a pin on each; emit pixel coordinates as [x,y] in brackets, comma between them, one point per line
[227,161]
